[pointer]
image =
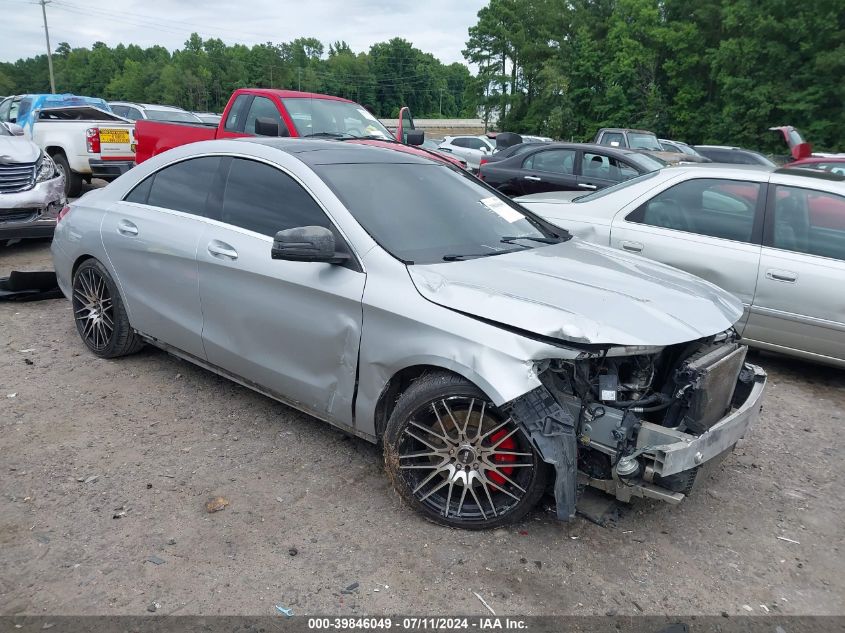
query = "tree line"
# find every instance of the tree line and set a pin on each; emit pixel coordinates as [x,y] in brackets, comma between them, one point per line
[201,75]
[702,71]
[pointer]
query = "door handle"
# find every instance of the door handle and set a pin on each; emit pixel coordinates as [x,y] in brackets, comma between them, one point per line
[584,185]
[222,250]
[533,178]
[782,275]
[632,247]
[125,227]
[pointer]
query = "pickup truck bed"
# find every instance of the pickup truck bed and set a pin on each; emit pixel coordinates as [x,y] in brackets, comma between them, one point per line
[155,137]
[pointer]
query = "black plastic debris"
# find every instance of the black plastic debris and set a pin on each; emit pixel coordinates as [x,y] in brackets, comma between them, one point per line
[29,286]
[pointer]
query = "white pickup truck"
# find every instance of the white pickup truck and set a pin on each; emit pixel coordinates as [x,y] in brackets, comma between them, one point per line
[85,141]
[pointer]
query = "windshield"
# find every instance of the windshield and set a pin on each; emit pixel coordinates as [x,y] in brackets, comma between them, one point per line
[428,213]
[595,195]
[327,117]
[643,140]
[174,116]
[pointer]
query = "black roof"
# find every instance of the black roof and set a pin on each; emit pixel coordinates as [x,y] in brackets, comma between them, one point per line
[315,151]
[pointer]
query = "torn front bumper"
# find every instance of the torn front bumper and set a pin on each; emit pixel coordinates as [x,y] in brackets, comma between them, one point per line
[31,213]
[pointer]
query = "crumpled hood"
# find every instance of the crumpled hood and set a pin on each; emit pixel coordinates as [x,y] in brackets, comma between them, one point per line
[582,293]
[18,149]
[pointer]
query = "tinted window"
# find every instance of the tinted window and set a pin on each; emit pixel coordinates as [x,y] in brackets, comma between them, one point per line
[264,108]
[423,212]
[459,142]
[183,186]
[233,118]
[602,167]
[119,110]
[476,143]
[807,221]
[556,161]
[707,206]
[263,199]
[141,191]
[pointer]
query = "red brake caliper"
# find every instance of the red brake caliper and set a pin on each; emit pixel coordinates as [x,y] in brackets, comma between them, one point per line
[507,445]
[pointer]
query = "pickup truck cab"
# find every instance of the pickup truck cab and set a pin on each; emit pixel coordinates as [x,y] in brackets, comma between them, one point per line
[81,134]
[288,113]
[628,138]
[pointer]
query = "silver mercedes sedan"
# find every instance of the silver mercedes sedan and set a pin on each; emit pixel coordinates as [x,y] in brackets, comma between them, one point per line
[774,239]
[406,302]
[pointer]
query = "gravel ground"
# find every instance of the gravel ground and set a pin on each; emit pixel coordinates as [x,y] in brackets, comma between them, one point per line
[105,468]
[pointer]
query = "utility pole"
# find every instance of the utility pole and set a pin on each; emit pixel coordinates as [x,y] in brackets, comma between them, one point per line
[49,52]
[440,109]
[299,72]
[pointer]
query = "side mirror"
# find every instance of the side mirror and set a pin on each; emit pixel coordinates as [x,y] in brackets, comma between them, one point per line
[307,244]
[266,126]
[414,137]
[16,129]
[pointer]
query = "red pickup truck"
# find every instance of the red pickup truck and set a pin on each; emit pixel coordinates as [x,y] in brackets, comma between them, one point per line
[270,112]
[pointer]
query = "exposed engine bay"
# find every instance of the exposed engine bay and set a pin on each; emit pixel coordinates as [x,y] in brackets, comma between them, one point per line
[643,424]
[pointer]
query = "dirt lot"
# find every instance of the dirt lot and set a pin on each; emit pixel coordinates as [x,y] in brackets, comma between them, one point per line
[106,466]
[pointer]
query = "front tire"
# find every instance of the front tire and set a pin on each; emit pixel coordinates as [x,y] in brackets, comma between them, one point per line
[457,459]
[99,313]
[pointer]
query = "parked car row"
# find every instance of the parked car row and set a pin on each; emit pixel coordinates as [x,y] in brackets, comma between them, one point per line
[773,238]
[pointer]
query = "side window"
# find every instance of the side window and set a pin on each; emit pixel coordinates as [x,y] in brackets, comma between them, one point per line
[476,143]
[459,142]
[614,139]
[134,114]
[184,186]
[265,108]
[141,192]
[603,167]
[264,199]
[4,109]
[555,161]
[233,118]
[807,221]
[707,206]
[119,110]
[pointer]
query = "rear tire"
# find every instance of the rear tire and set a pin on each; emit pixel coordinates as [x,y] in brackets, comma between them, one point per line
[73,181]
[458,460]
[99,313]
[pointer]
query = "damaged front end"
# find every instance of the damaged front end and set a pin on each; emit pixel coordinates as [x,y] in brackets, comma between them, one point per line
[640,422]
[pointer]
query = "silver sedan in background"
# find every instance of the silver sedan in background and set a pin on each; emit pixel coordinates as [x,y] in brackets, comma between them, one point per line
[403,300]
[775,239]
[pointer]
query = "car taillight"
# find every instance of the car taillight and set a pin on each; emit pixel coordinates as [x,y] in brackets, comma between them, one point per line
[483,161]
[92,135]
[65,210]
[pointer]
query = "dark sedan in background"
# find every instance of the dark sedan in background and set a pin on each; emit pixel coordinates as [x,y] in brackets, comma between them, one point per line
[565,167]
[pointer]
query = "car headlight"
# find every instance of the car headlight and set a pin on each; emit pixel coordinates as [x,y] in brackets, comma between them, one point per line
[46,169]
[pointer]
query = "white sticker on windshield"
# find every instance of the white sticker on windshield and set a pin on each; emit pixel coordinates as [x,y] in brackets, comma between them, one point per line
[365,114]
[502,210]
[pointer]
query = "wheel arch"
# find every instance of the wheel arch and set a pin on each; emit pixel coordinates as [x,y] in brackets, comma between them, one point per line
[52,150]
[402,379]
[77,263]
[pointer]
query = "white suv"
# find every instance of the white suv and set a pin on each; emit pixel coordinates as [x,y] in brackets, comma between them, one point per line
[470,148]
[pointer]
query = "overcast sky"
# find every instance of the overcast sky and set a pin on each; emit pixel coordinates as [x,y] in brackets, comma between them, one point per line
[434,26]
